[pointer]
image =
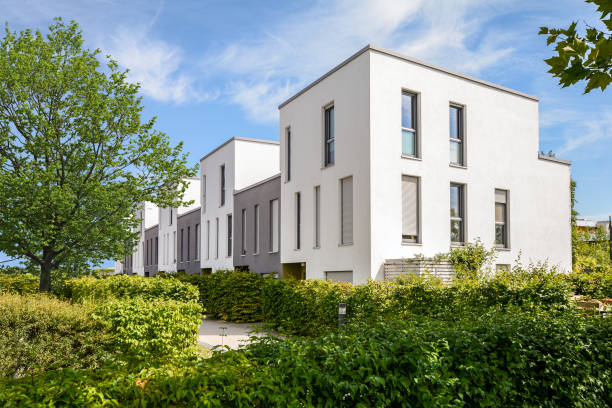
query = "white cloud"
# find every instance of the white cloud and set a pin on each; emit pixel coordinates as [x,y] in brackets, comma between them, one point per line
[288,55]
[579,129]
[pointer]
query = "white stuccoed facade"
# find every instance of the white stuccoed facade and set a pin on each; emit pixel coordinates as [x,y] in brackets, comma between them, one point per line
[168,222]
[246,161]
[501,152]
[149,215]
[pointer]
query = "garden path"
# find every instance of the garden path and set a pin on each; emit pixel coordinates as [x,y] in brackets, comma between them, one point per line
[221,333]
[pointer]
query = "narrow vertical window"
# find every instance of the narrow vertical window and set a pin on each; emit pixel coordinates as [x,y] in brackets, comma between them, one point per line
[207,239]
[317,217]
[197,242]
[298,220]
[410,209]
[274,225]
[188,244]
[229,235]
[456,134]
[409,124]
[203,194]
[288,140]
[346,210]
[222,184]
[330,137]
[256,229]
[216,238]
[174,246]
[147,253]
[501,218]
[170,222]
[182,245]
[457,211]
[243,221]
[156,251]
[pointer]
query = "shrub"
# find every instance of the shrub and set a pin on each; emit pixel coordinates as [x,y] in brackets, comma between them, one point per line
[471,261]
[123,286]
[39,333]
[21,283]
[234,296]
[592,284]
[150,330]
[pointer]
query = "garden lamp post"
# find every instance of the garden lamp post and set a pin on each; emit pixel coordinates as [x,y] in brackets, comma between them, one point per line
[341,314]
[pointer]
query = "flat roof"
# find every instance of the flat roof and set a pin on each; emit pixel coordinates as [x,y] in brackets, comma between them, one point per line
[406,58]
[242,139]
[554,159]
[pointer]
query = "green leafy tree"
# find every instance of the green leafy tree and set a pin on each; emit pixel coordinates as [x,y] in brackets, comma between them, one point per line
[583,57]
[592,251]
[75,157]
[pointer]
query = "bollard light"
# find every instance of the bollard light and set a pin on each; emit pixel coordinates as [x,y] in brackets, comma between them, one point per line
[341,314]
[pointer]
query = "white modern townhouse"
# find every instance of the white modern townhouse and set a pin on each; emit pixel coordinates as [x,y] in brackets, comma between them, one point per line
[236,164]
[148,213]
[387,157]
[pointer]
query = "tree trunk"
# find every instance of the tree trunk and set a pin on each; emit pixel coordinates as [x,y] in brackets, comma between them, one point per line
[45,276]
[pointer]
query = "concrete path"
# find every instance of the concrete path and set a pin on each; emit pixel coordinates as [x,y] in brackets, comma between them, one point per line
[220,333]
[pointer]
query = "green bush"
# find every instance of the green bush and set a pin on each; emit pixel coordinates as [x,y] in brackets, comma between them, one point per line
[234,296]
[596,285]
[21,283]
[39,333]
[471,261]
[150,330]
[123,286]
[508,358]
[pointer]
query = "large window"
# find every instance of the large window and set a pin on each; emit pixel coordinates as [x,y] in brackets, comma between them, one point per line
[501,218]
[346,210]
[409,124]
[456,135]
[274,225]
[330,137]
[317,217]
[298,220]
[222,183]
[243,222]
[288,146]
[410,209]
[256,229]
[229,235]
[457,211]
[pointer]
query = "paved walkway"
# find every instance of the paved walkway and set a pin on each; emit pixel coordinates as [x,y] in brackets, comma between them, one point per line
[220,333]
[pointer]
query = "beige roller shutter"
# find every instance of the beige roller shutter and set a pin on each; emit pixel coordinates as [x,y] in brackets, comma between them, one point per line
[410,208]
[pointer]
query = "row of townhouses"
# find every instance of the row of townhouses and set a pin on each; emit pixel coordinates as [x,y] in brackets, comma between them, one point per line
[382,158]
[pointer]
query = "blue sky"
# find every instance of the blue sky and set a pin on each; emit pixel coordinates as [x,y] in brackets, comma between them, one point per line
[211,70]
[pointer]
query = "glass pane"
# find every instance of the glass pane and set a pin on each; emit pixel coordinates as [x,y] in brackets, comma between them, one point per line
[500,212]
[331,153]
[456,153]
[408,143]
[407,110]
[500,234]
[456,231]
[331,123]
[455,201]
[455,122]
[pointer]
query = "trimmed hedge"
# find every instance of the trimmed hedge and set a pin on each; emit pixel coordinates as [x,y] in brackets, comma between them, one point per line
[124,286]
[509,358]
[39,333]
[20,283]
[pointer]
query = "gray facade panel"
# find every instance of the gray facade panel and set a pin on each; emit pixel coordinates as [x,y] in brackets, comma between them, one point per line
[188,242]
[151,252]
[261,195]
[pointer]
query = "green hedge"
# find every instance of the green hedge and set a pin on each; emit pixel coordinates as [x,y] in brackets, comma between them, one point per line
[39,333]
[508,358]
[123,286]
[596,285]
[229,295]
[21,283]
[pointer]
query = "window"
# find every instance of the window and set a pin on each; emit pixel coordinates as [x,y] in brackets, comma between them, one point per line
[274,225]
[208,239]
[174,246]
[410,209]
[456,134]
[217,238]
[171,211]
[501,218]
[203,194]
[243,232]
[317,217]
[457,226]
[256,229]
[409,124]
[346,210]
[298,220]
[222,185]
[188,244]
[329,136]
[197,242]
[182,246]
[156,251]
[147,253]
[288,139]
[229,235]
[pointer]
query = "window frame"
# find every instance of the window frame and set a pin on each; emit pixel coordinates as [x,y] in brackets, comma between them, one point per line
[298,220]
[415,130]
[222,185]
[461,129]
[317,216]
[256,229]
[341,210]
[272,249]
[418,239]
[230,236]
[329,135]
[288,153]
[203,193]
[506,241]
[243,232]
[462,214]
